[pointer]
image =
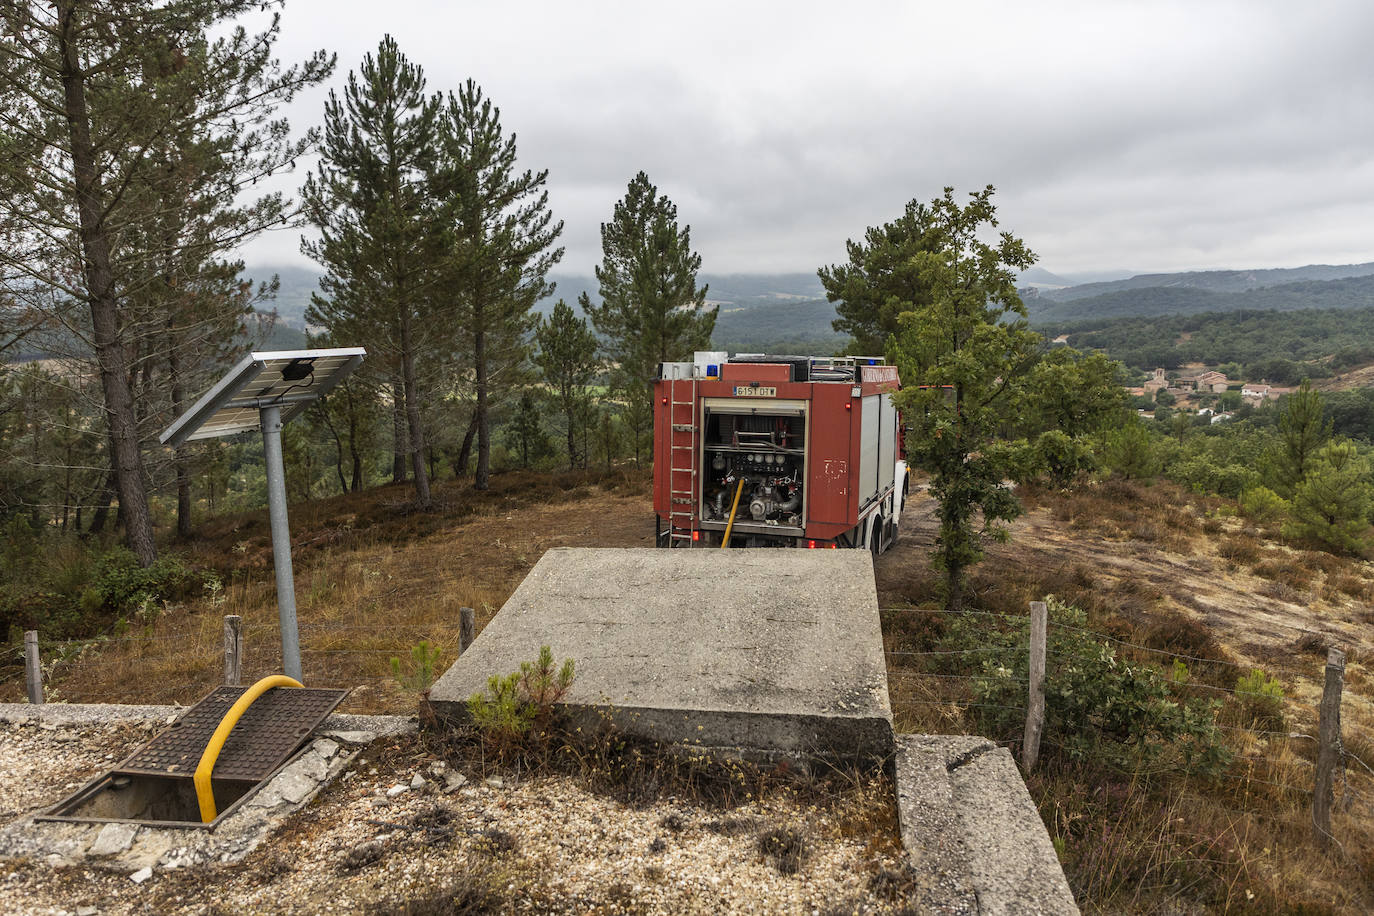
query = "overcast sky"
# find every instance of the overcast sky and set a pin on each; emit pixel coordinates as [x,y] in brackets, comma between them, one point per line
[1120,135]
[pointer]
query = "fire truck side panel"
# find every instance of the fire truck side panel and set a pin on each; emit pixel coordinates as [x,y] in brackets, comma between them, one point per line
[832,499]
[887,442]
[868,450]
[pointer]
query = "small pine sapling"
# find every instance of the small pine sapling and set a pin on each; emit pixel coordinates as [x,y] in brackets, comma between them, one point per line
[424,659]
[517,702]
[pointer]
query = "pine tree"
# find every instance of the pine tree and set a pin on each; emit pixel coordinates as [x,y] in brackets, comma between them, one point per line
[651,309]
[884,278]
[567,359]
[1302,432]
[382,240]
[97,100]
[503,249]
[1331,503]
[526,430]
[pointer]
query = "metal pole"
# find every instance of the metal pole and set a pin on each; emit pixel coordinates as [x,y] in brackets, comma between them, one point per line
[281,542]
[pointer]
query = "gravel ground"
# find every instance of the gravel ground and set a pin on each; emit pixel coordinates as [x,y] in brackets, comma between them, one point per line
[402,831]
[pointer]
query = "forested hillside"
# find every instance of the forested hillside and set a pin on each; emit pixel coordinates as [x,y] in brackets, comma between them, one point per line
[1218,281]
[786,326]
[1173,299]
[1282,347]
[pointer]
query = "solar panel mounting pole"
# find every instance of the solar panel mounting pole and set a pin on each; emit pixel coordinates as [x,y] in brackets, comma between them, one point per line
[281,541]
[265,390]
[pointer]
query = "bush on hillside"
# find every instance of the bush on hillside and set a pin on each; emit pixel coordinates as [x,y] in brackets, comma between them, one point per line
[1263,506]
[1331,504]
[1099,709]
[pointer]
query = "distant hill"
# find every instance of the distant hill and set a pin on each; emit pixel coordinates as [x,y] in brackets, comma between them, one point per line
[800,327]
[297,284]
[1220,281]
[791,306]
[1349,292]
[1281,346]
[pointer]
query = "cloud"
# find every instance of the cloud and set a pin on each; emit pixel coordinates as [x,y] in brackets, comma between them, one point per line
[1158,136]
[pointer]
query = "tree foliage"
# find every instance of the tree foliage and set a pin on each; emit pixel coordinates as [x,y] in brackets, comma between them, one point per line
[884,278]
[373,202]
[1331,504]
[966,357]
[651,309]
[503,248]
[1302,430]
[568,362]
[126,134]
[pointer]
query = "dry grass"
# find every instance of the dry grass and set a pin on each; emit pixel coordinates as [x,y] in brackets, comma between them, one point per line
[1144,843]
[373,577]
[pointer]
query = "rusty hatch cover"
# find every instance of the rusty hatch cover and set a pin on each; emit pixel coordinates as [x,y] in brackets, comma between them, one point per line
[267,734]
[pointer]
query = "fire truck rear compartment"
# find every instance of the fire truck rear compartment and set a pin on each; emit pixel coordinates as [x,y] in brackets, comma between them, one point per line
[764,448]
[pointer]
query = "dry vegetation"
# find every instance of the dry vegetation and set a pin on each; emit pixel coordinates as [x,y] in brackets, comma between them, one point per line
[1152,566]
[1160,568]
[373,579]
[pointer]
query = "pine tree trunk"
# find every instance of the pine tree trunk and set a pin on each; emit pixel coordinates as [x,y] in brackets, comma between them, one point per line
[398,437]
[356,483]
[126,457]
[572,441]
[460,467]
[954,588]
[102,505]
[180,457]
[417,433]
[483,478]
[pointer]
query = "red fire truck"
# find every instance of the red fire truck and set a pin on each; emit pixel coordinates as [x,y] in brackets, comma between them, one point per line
[777,451]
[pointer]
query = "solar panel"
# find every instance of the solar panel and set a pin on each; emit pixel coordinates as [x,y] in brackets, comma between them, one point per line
[287,379]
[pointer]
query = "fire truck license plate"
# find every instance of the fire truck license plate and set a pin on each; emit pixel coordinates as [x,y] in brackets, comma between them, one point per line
[748,391]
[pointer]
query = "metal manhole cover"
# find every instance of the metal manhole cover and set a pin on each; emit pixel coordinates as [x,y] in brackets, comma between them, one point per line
[267,734]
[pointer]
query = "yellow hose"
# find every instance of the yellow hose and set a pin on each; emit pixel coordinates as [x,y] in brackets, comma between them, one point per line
[204,794]
[734,507]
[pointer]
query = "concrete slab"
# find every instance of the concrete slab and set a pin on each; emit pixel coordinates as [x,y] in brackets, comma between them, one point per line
[768,650]
[973,834]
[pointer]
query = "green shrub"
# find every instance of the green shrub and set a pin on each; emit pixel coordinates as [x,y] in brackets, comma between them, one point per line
[518,702]
[1263,505]
[1062,457]
[1131,451]
[1261,700]
[1331,504]
[123,585]
[1099,709]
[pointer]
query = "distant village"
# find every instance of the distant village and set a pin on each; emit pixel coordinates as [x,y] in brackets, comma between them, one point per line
[1207,393]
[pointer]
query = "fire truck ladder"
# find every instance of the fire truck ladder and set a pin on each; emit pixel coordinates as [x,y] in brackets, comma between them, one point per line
[682,461]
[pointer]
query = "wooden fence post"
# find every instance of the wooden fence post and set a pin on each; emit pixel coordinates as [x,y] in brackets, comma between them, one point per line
[467,625]
[1035,705]
[33,667]
[233,650]
[1329,746]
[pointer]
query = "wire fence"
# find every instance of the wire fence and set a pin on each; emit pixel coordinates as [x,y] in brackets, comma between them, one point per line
[377,663]
[180,667]
[1273,760]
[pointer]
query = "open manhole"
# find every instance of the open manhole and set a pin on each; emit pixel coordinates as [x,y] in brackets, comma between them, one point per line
[155,784]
